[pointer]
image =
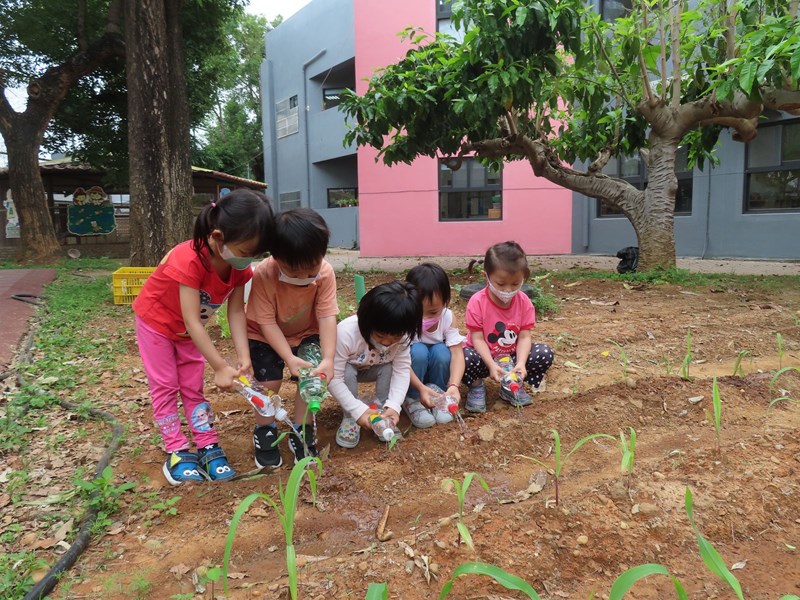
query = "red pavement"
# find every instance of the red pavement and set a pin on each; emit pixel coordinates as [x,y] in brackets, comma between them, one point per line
[15,315]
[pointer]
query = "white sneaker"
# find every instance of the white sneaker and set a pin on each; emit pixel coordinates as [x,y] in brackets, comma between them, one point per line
[420,416]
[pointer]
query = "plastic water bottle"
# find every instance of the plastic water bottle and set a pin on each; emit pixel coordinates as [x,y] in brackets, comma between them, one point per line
[266,402]
[510,381]
[446,404]
[383,427]
[313,388]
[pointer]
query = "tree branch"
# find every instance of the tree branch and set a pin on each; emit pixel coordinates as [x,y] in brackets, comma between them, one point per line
[730,32]
[745,129]
[613,69]
[663,39]
[545,163]
[793,9]
[676,54]
[80,34]
[648,91]
[778,99]
[6,112]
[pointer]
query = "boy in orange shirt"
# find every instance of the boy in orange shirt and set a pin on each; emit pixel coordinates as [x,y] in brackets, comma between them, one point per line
[292,303]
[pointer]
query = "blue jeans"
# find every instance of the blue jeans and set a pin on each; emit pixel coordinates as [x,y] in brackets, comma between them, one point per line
[431,363]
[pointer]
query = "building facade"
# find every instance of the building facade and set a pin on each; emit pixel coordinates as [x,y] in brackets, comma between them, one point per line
[746,206]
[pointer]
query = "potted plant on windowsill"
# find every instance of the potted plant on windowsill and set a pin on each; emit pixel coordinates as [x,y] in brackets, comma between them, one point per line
[348,201]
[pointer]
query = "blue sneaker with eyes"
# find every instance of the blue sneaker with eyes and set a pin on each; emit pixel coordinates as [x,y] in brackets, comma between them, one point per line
[214,463]
[183,466]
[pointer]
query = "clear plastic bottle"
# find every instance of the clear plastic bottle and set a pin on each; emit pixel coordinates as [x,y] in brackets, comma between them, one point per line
[510,381]
[313,389]
[265,402]
[383,427]
[446,404]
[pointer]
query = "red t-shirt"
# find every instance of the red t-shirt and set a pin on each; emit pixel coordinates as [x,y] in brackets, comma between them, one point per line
[500,325]
[159,302]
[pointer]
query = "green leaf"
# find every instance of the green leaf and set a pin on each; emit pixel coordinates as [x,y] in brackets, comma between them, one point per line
[626,581]
[377,591]
[521,15]
[747,76]
[465,534]
[237,516]
[709,554]
[778,373]
[504,578]
[794,62]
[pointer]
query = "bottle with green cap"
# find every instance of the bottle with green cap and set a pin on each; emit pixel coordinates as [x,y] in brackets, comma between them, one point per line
[313,388]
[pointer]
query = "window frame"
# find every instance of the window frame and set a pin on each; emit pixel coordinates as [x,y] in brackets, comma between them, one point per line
[785,165]
[496,189]
[340,91]
[602,5]
[289,114]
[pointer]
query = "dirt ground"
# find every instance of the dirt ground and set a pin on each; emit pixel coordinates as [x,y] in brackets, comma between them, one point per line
[747,496]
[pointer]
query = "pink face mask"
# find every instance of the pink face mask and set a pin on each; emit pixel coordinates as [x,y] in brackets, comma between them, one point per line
[430,322]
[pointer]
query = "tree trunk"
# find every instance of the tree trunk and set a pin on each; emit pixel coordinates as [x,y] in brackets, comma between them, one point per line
[23,132]
[38,242]
[654,219]
[158,130]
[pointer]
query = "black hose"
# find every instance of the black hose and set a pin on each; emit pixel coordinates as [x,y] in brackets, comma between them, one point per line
[49,581]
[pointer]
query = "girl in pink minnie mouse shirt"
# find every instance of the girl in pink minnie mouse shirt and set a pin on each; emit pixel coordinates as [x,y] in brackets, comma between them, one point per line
[500,319]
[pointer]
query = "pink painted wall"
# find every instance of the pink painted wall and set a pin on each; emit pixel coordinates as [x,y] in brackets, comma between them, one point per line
[399,205]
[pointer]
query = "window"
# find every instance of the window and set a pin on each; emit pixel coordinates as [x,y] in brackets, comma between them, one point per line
[631,169]
[341,197]
[287,119]
[473,192]
[614,9]
[289,200]
[444,8]
[332,97]
[773,169]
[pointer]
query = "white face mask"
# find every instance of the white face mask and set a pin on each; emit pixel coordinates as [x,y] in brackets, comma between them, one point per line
[302,281]
[504,297]
[378,347]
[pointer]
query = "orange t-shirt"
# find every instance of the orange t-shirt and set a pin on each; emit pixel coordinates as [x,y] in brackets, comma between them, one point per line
[295,309]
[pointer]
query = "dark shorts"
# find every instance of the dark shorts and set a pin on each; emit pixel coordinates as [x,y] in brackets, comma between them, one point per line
[267,364]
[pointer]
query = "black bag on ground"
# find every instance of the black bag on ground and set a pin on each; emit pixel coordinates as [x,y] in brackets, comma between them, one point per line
[629,259]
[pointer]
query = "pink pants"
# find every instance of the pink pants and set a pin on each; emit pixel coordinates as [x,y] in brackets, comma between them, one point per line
[174,367]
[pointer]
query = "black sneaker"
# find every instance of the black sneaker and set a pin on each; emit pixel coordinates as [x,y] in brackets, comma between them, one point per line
[296,444]
[267,453]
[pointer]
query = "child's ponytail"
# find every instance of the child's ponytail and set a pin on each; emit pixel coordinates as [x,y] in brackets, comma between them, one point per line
[241,215]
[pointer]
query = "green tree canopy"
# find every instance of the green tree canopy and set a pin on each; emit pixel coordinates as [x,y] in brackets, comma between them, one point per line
[552,83]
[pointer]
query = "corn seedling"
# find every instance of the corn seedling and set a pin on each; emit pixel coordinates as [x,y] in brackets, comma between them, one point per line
[779,339]
[717,402]
[288,500]
[504,578]
[559,463]
[737,366]
[687,359]
[461,493]
[628,454]
[778,373]
[709,554]
[377,591]
[788,399]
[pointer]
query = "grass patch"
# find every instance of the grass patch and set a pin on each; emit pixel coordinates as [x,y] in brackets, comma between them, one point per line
[682,277]
[69,264]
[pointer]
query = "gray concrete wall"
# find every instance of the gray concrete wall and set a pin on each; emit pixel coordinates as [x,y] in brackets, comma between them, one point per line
[311,51]
[718,226]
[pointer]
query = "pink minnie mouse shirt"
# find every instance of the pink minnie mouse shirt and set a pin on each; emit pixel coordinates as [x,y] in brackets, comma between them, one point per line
[500,325]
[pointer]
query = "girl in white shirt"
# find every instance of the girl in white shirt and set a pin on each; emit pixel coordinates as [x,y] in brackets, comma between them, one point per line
[373,345]
[437,355]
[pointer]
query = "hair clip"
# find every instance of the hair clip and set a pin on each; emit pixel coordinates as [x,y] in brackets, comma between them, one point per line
[213,205]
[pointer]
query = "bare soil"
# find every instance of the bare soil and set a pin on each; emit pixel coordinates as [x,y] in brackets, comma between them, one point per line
[747,494]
